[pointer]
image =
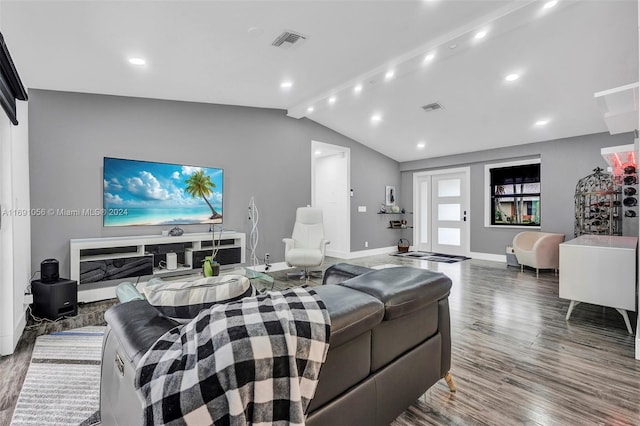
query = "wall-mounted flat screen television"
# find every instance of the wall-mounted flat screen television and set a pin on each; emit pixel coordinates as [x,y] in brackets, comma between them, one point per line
[149,193]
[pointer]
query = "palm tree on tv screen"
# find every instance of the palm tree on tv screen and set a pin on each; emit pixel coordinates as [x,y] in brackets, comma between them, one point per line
[200,185]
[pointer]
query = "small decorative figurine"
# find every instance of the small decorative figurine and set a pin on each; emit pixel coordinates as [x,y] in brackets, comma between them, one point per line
[176,232]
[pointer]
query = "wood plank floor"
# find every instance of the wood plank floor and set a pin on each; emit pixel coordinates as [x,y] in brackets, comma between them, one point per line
[515,360]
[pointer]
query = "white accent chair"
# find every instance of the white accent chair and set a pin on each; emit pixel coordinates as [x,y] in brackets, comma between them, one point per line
[539,250]
[306,247]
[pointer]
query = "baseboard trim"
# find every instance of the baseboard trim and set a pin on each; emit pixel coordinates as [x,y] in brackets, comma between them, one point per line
[489,256]
[8,343]
[17,333]
[338,254]
[372,252]
[6,347]
[638,339]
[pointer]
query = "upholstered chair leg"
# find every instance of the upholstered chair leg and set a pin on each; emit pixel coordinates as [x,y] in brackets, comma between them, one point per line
[521,268]
[537,273]
[449,379]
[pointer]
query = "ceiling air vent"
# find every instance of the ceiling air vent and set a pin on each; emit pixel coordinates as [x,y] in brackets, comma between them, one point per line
[432,107]
[289,39]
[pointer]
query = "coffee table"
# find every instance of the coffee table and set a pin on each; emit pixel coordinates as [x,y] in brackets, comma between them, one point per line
[260,280]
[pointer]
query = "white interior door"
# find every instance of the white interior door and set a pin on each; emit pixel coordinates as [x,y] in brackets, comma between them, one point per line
[441,211]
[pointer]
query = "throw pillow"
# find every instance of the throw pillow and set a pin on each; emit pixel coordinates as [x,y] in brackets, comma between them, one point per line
[182,300]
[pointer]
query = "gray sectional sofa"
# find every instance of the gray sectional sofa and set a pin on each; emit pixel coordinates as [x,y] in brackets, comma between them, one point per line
[390,342]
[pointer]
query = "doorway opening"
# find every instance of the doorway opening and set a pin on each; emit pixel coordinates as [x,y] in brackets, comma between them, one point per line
[330,188]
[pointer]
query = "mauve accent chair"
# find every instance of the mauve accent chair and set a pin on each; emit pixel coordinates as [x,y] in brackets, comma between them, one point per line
[539,250]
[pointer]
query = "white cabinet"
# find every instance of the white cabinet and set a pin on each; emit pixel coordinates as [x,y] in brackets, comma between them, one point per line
[599,269]
[100,264]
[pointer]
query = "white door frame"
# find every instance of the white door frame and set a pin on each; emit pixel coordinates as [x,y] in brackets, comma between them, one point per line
[346,199]
[416,203]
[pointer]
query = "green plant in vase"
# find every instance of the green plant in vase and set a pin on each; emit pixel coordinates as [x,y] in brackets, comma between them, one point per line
[210,268]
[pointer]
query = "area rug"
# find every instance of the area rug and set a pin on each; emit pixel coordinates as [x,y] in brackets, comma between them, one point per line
[434,257]
[62,385]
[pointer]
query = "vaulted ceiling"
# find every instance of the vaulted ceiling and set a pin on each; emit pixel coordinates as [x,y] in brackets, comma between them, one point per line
[221,52]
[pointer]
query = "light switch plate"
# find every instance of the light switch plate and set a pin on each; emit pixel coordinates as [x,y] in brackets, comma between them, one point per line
[362,209]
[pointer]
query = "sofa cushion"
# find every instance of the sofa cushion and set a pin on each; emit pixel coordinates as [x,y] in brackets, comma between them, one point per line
[340,272]
[183,300]
[402,290]
[352,312]
[137,326]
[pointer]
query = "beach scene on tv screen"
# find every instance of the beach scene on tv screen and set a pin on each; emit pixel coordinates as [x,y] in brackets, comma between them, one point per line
[149,193]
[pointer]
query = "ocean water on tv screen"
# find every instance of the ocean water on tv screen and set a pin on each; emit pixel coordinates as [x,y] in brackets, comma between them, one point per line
[157,216]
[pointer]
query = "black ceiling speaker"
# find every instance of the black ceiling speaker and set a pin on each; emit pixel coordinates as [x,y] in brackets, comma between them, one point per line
[49,271]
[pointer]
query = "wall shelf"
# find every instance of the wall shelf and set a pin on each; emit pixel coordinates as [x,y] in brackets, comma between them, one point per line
[620,108]
[397,224]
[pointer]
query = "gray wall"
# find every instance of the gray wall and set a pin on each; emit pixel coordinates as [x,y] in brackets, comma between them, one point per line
[563,162]
[264,153]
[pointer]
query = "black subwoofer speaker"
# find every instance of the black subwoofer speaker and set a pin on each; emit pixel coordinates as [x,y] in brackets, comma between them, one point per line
[49,271]
[55,300]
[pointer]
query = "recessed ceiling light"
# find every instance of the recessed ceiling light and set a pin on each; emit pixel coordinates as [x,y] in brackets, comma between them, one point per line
[318,152]
[429,57]
[512,77]
[286,84]
[255,31]
[358,88]
[310,109]
[421,145]
[550,4]
[542,122]
[137,61]
[332,100]
[480,34]
[453,46]
[376,118]
[389,75]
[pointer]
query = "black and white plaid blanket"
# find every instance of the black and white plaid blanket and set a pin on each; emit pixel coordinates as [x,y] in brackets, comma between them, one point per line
[254,361]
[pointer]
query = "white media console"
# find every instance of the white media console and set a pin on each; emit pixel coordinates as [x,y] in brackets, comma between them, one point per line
[100,264]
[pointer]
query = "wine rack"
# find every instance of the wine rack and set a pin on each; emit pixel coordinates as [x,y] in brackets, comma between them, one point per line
[598,205]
